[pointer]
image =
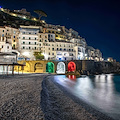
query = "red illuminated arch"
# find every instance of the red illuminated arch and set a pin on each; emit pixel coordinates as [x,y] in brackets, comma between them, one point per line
[71,67]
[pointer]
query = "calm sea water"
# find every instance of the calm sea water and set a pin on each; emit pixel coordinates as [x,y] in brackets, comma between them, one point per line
[100,91]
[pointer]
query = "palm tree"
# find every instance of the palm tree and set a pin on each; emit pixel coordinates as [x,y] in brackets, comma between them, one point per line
[41,13]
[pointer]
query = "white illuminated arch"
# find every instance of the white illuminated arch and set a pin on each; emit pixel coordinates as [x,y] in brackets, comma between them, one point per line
[61,68]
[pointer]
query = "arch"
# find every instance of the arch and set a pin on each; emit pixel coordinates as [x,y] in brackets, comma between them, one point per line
[60,68]
[71,67]
[27,67]
[38,67]
[50,67]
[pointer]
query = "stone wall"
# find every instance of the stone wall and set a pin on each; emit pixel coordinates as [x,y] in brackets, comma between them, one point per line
[82,66]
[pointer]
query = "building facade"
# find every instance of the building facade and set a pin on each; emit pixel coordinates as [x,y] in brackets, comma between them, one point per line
[54,41]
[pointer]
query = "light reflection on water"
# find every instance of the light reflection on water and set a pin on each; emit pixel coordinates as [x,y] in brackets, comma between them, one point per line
[101,91]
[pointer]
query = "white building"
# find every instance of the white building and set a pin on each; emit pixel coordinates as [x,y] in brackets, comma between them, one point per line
[54,41]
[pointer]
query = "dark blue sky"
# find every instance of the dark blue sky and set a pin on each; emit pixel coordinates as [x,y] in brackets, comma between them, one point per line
[98,21]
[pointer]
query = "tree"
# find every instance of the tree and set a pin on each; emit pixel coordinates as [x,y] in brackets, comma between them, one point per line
[38,55]
[40,13]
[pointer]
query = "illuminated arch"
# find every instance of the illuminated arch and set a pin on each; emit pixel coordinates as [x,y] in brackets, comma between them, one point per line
[60,68]
[27,67]
[71,67]
[50,67]
[38,67]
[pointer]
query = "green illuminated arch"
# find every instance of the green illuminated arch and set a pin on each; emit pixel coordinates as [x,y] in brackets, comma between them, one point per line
[50,67]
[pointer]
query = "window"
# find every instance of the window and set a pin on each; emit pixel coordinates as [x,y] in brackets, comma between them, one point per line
[69,49]
[52,31]
[29,33]
[35,43]
[57,48]
[45,40]
[35,48]
[40,44]
[40,40]
[52,49]
[45,36]
[29,38]
[60,49]
[29,48]
[13,36]
[49,31]
[23,37]
[51,35]
[2,46]
[48,48]
[35,38]
[49,53]
[3,30]
[52,45]
[52,53]
[23,47]
[64,49]
[48,35]
[40,36]
[35,33]
[7,47]
[23,42]
[14,40]
[23,32]
[56,35]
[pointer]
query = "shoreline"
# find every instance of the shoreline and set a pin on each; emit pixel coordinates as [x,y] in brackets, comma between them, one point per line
[58,104]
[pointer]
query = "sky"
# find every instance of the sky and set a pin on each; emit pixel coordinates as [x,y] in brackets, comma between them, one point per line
[98,21]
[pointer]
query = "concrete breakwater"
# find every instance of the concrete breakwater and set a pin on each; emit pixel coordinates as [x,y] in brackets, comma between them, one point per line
[58,104]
